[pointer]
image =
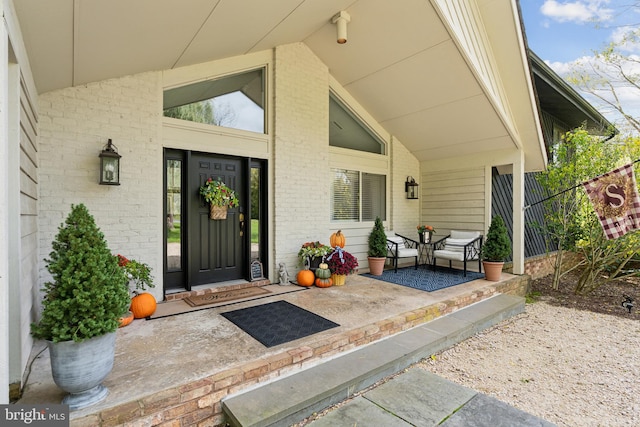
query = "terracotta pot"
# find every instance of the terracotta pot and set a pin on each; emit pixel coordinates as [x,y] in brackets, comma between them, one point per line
[492,270]
[376,265]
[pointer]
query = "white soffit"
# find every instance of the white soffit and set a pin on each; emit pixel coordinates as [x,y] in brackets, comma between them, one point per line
[400,62]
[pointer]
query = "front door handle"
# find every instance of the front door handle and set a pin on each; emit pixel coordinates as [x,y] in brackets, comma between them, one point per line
[241,218]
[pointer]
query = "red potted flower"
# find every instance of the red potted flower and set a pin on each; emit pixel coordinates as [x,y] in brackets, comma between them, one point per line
[341,263]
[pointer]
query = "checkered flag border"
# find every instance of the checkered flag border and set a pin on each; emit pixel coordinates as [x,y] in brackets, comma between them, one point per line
[614,196]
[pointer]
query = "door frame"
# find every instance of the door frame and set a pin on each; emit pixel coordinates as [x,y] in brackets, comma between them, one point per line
[179,281]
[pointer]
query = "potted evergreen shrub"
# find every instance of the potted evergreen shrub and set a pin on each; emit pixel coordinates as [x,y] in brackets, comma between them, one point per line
[496,249]
[82,306]
[377,254]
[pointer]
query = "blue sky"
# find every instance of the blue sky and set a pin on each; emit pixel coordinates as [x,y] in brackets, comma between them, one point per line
[564,31]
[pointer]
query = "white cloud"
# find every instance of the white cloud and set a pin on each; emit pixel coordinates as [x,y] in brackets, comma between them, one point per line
[561,68]
[579,11]
[626,39]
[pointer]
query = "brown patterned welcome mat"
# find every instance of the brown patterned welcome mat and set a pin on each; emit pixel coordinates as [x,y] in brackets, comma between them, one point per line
[216,297]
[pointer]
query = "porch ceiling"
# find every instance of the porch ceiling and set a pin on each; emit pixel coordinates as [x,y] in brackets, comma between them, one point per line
[400,62]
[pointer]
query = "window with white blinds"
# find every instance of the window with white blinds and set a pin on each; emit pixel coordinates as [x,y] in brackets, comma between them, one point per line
[357,196]
[374,196]
[345,195]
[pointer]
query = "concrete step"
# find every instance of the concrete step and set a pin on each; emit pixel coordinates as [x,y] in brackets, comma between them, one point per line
[288,400]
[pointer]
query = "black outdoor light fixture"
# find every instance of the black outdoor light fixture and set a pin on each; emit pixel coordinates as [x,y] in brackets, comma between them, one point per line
[411,188]
[109,165]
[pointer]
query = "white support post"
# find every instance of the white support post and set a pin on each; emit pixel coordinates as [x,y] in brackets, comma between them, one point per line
[518,214]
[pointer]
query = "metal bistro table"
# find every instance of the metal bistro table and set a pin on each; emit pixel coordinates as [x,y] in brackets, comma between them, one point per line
[425,251]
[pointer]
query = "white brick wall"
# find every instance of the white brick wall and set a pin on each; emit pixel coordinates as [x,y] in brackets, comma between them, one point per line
[301,169]
[74,127]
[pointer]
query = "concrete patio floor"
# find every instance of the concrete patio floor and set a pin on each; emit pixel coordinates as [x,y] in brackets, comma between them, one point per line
[162,363]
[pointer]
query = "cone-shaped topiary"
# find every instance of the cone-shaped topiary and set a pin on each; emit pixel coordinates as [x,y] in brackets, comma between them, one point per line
[88,292]
[497,246]
[377,240]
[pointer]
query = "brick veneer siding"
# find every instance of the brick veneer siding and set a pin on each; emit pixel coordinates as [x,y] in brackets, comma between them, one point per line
[301,167]
[199,403]
[75,124]
[543,265]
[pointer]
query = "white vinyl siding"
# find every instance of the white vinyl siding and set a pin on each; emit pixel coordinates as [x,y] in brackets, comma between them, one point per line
[454,199]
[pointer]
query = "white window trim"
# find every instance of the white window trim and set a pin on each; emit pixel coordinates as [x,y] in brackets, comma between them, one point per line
[187,75]
[350,103]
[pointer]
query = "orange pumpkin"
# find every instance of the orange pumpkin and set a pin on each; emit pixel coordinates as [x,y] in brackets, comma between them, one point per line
[126,319]
[337,239]
[324,283]
[143,305]
[305,277]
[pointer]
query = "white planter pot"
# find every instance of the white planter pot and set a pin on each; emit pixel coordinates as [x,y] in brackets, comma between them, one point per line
[80,367]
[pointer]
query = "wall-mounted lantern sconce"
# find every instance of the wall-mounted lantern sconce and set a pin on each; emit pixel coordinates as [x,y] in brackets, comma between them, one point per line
[411,188]
[109,165]
[341,19]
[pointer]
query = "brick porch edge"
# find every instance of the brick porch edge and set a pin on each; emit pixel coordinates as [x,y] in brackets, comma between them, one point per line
[198,403]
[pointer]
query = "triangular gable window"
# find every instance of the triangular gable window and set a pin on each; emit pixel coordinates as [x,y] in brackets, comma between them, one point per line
[347,131]
[236,101]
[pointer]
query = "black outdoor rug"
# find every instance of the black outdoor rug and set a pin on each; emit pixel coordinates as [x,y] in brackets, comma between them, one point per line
[278,322]
[425,279]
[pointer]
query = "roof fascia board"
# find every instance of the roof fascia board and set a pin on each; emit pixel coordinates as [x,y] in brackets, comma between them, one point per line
[544,72]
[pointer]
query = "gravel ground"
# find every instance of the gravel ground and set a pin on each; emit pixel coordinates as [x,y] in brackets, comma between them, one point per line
[571,367]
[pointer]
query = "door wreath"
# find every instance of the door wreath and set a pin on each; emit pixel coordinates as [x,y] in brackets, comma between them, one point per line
[220,197]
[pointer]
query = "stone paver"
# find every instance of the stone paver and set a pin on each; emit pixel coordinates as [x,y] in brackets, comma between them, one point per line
[420,398]
[360,412]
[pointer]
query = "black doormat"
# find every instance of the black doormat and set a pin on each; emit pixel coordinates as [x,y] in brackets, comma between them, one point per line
[278,322]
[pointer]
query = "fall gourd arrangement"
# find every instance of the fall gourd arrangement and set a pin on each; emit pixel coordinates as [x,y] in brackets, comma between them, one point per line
[322,275]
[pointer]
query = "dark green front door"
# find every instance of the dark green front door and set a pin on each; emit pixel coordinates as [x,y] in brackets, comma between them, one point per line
[200,250]
[215,246]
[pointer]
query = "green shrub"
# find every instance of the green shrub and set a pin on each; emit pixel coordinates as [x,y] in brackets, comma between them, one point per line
[497,247]
[377,240]
[88,292]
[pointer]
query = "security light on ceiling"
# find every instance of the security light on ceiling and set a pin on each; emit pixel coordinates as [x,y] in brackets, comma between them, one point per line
[341,19]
